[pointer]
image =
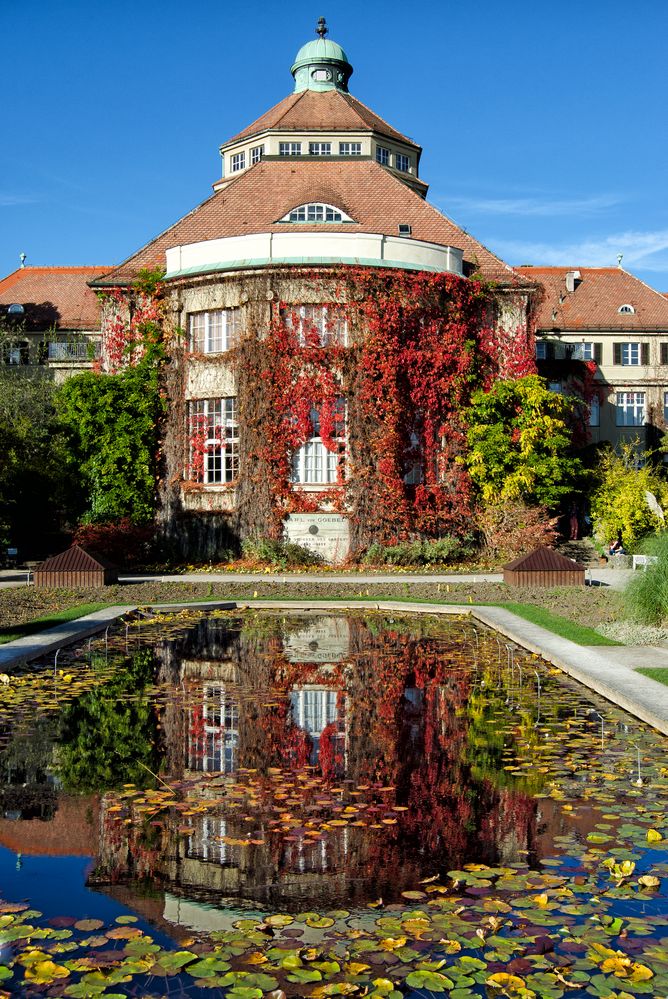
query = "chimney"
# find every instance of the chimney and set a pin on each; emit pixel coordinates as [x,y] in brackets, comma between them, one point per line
[573,279]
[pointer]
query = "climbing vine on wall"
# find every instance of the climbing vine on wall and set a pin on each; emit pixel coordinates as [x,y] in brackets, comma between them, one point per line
[404,350]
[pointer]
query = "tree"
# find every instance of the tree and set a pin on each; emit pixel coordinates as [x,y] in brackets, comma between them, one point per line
[619,501]
[111,422]
[520,443]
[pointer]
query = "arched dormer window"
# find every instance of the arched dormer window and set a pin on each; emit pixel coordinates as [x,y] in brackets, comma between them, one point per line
[316,212]
[626,310]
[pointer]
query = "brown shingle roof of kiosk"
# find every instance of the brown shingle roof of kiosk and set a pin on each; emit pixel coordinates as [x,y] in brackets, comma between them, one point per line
[55,296]
[254,202]
[542,560]
[596,300]
[74,559]
[331,111]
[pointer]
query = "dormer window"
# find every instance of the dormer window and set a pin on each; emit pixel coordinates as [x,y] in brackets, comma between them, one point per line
[238,162]
[626,310]
[316,212]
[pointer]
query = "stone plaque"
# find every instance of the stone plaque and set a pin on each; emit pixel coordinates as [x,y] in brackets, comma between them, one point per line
[328,534]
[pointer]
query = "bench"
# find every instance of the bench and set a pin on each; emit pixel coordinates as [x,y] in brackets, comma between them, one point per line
[644,561]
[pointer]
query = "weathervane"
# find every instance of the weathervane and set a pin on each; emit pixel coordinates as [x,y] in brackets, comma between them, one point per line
[322,28]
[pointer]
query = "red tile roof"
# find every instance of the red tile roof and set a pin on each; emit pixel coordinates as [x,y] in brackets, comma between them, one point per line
[373,197]
[329,111]
[54,296]
[596,300]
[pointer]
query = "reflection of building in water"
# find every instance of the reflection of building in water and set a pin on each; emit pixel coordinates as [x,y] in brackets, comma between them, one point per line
[324,640]
[213,731]
[314,711]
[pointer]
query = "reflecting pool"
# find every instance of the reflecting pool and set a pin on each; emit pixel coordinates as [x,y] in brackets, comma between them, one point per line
[228,804]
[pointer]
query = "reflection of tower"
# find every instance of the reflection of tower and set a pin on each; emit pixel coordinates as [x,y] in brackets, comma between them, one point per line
[213,730]
[314,709]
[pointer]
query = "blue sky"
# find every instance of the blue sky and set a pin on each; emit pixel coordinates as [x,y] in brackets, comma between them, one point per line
[544,123]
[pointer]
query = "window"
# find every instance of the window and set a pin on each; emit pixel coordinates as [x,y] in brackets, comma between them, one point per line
[214,440]
[402,162]
[665,407]
[413,475]
[316,212]
[289,149]
[586,352]
[213,733]
[626,310]
[595,411]
[350,148]
[541,350]
[256,154]
[314,463]
[631,353]
[16,353]
[318,325]
[383,155]
[556,387]
[664,353]
[214,332]
[238,162]
[630,409]
[320,148]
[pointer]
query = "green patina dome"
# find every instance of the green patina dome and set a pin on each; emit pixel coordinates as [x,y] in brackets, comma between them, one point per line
[321,64]
[320,48]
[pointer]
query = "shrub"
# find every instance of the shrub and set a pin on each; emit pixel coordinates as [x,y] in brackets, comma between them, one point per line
[125,544]
[278,554]
[512,528]
[619,502]
[442,550]
[646,596]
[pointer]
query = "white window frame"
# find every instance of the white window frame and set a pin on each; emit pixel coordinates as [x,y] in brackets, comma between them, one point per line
[320,148]
[402,162]
[237,162]
[289,149]
[214,332]
[314,212]
[350,148]
[583,351]
[631,354]
[256,154]
[630,409]
[313,464]
[329,320]
[221,456]
[383,155]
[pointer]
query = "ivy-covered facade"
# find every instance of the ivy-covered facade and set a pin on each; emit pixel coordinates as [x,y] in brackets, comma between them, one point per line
[324,328]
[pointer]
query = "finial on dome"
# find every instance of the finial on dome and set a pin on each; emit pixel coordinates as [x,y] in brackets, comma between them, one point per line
[322,28]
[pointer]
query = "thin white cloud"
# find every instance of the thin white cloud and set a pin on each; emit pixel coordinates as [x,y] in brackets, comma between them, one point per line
[646,249]
[539,206]
[8,200]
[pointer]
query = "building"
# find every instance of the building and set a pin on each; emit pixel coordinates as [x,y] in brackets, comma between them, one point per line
[50,317]
[619,325]
[320,205]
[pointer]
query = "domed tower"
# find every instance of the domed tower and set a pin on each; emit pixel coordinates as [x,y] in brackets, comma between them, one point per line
[322,64]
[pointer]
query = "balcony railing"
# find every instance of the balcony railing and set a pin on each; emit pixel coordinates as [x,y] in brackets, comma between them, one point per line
[86,350]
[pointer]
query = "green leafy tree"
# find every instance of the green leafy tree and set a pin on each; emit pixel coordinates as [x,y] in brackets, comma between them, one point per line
[112,423]
[619,502]
[35,491]
[520,443]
